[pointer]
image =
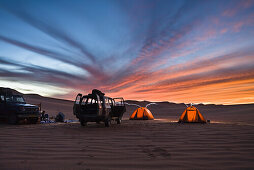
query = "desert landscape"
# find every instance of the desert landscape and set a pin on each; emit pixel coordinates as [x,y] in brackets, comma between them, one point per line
[225,143]
[159,55]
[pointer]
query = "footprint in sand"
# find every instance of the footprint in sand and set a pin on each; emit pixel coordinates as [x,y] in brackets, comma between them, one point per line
[155,152]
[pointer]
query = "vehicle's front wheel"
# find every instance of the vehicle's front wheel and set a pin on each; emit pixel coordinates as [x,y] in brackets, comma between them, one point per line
[12,119]
[33,120]
[82,122]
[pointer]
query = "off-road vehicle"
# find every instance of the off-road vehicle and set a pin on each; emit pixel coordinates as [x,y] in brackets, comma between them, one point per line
[14,108]
[96,107]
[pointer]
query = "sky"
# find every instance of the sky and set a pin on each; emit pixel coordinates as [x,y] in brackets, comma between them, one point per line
[158,50]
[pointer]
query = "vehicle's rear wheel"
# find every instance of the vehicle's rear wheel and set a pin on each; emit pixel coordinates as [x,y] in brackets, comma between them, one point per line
[12,119]
[108,122]
[82,122]
[119,120]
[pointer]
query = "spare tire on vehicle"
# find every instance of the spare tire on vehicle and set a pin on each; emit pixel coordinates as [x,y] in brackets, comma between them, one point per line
[96,91]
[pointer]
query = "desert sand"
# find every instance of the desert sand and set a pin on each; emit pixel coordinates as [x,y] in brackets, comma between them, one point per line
[225,143]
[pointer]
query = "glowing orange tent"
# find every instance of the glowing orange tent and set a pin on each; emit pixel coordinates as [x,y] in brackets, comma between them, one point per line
[142,113]
[192,115]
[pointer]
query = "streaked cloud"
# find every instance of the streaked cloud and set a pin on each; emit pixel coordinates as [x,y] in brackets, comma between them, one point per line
[179,51]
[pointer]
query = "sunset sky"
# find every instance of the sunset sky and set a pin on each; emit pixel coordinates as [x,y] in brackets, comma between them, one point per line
[177,51]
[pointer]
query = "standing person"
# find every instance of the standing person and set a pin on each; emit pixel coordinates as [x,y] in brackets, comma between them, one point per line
[43,115]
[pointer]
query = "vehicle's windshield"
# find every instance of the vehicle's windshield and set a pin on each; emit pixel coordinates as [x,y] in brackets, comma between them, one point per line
[15,99]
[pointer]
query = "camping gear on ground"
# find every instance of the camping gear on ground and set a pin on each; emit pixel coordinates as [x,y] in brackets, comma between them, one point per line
[59,117]
[46,117]
[191,115]
[142,113]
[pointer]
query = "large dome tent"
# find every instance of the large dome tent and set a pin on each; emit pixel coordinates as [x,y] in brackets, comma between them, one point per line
[142,113]
[191,115]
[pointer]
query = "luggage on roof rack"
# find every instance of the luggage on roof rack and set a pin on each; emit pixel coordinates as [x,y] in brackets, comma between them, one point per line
[96,91]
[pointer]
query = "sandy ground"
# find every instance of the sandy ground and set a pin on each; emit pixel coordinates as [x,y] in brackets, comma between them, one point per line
[157,144]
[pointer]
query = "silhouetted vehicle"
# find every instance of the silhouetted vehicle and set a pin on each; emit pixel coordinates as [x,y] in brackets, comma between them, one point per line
[97,107]
[14,108]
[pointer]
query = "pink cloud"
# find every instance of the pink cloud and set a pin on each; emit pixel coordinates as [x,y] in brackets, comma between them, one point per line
[229,12]
[224,30]
[247,3]
[240,6]
[237,26]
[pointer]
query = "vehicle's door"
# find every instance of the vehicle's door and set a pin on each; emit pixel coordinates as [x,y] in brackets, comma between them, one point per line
[99,105]
[76,106]
[119,106]
[119,101]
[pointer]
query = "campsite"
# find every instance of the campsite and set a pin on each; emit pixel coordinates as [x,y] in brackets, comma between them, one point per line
[225,143]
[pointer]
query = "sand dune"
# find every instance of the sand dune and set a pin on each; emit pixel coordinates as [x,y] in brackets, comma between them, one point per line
[158,144]
[52,106]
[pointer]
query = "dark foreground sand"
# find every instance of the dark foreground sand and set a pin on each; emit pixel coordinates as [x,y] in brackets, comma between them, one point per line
[226,143]
[157,144]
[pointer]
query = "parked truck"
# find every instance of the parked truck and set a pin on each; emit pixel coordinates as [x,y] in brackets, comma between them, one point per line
[14,108]
[96,107]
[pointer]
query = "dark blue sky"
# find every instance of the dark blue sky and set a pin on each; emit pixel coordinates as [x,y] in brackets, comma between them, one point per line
[145,50]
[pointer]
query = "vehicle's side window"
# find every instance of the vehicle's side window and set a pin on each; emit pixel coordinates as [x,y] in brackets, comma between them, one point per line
[110,101]
[8,98]
[1,98]
[19,100]
[92,101]
[89,101]
[84,101]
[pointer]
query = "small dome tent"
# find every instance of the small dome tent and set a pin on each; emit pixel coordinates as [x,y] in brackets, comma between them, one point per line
[142,113]
[191,115]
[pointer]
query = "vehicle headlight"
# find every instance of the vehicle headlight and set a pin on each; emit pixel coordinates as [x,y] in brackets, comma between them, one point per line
[22,109]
